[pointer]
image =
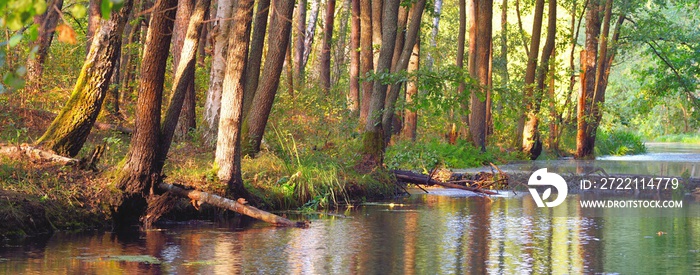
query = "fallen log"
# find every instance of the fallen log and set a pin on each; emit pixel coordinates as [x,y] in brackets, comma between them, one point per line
[232,205]
[37,153]
[415,178]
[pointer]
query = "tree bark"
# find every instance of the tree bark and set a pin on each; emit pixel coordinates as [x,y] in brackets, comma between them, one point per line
[182,82]
[310,32]
[212,106]
[373,138]
[139,174]
[228,146]
[401,65]
[477,118]
[585,137]
[410,116]
[532,144]
[94,18]
[376,13]
[461,37]
[301,37]
[47,24]
[280,26]
[254,62]
[340,53]
[353,96]
[325,58]
[530,135]
[366,61]
[69,130]
[187,115]
[437,8]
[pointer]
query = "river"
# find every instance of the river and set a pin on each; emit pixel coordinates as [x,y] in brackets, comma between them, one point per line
[442,232]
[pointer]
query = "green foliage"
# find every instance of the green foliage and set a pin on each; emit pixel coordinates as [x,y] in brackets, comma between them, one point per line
[618,143]
[683,138]
[426,155]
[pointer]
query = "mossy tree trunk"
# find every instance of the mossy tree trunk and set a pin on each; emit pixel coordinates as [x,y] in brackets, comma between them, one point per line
[373,137]
[139,173]
[69,130]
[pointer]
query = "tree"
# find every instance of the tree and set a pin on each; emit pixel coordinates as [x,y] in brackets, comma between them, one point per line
[532,145]
[47,23]
[280,26]
[373,136]
[69,130]
[254,63]
[437,9]
[212,105]
[310,32]
[94,17]
[461,37]
[139,174]
[301,37]
[187,115]
[325,59]
[411,116]
[340,53]
[376,15]
[482,65]
[228,147]
[353,96]
[366,62]
[401,65]
[530,136]
[595,66]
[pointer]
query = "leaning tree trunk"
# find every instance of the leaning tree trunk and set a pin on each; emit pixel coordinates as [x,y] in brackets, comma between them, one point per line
[212,105]
[280,26]
[530,135]
[94,18]
[401,65]
[182,19]
[366,62]
[69,130]
[410,115]
[325,59]
[181,83]
[373,137]
[257,42]
[477,117]
[47,23]
[353,96]
[138,176]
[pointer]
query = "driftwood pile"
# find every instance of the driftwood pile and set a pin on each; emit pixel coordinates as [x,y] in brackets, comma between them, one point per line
[481,183]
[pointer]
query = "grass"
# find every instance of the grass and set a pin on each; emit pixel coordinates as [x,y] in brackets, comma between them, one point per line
[683,138]
[619,143]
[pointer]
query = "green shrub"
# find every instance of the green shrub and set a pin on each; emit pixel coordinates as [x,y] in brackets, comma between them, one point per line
[619,143]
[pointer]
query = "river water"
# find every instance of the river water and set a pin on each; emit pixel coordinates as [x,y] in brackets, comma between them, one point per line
[442,232]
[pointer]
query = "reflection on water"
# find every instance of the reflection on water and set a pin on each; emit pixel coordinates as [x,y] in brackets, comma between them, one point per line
[446,233]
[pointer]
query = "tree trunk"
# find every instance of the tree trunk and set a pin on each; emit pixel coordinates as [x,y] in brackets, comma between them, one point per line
[301,37]
[139,174]
[94,17]
[69,130]
[47,24]
[377,22]
[254,62]
[353,96]
[411,116]
[532,144]
[530,135]
[310,32]
[182,19]
[366,61]
[212,106]
[401,65]
[115,86]
[373,137]
[325,59]
[472,12]
[185,68]
[437,9]
[340,54]
[585,137]
[280,26]
[477,118]
[228,146]
[461,37]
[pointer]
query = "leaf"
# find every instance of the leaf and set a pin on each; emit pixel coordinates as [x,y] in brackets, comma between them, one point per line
[78,11]
[106,9]
[66,34]
[15,39]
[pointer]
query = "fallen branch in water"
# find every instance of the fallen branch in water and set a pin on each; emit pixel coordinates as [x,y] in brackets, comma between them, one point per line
[415,178]
[232,205]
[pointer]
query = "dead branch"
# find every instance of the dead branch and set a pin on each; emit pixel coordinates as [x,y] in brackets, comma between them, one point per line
[37,153]
[415,178]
